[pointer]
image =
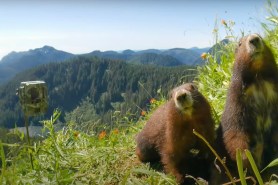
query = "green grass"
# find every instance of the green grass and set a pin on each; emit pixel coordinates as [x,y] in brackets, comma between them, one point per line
[72,157]
[214,77]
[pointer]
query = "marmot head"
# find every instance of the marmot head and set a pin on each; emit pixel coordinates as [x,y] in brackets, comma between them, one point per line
[183,96]
[253,54]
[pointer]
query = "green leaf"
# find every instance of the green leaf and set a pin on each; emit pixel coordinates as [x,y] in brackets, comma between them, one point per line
[254,166]
[144,171]
[2,156]
[271,164]
[3,159]
[240,167]
[273,19]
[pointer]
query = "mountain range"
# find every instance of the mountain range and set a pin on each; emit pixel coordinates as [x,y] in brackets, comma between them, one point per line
[16,62]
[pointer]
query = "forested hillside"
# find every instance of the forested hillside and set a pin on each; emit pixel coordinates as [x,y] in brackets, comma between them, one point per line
[16,62]
[169,57]
[155,59]
[107,85]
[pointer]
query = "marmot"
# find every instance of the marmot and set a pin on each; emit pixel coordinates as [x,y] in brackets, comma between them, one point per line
[168,134]
[250,117]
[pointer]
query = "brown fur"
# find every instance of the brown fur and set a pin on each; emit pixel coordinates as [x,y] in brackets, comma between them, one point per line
[250,118]
[168,136]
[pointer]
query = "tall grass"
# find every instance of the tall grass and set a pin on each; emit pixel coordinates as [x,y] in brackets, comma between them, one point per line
[214,77]
[73,157]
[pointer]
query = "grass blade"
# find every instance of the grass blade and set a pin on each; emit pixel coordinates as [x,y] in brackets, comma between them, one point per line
[271,164]
[254,166]
[228,173]
[3,158]
[240,167]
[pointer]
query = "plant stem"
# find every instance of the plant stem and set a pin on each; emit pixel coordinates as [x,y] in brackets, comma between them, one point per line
[3,158]
[28,138]
[240,167]
[228,173]
[254,166]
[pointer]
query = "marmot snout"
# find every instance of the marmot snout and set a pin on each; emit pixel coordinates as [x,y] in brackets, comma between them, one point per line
[183,98]
[254,44]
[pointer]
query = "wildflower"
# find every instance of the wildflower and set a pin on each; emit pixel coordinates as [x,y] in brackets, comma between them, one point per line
[224,22]
[102,135]
[143,113]
[204,56]
[76,134]
[152,101]
[116,131]
[214,30]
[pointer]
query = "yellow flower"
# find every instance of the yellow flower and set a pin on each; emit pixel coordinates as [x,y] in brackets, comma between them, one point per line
[102,135]
[116,131]
[76,134]
[152,101]
[204,56]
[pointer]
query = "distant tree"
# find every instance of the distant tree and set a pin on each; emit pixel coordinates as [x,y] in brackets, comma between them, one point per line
[83,115]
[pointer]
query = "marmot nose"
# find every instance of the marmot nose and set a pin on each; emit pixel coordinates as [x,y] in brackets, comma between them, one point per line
[255,40]
[182,97]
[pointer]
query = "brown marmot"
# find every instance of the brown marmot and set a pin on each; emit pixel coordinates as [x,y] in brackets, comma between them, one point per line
[250,118]
[168,134]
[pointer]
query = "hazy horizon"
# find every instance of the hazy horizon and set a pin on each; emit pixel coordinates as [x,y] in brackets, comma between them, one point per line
[119,51]
[85,26]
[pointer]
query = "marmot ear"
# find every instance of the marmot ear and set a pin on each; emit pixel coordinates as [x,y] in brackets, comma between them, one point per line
[193,87]
[170,94]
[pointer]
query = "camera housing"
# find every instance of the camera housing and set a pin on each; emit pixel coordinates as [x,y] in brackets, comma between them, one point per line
[33,97]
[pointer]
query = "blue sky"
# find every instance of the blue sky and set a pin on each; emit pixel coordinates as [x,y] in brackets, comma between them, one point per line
[82,26]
